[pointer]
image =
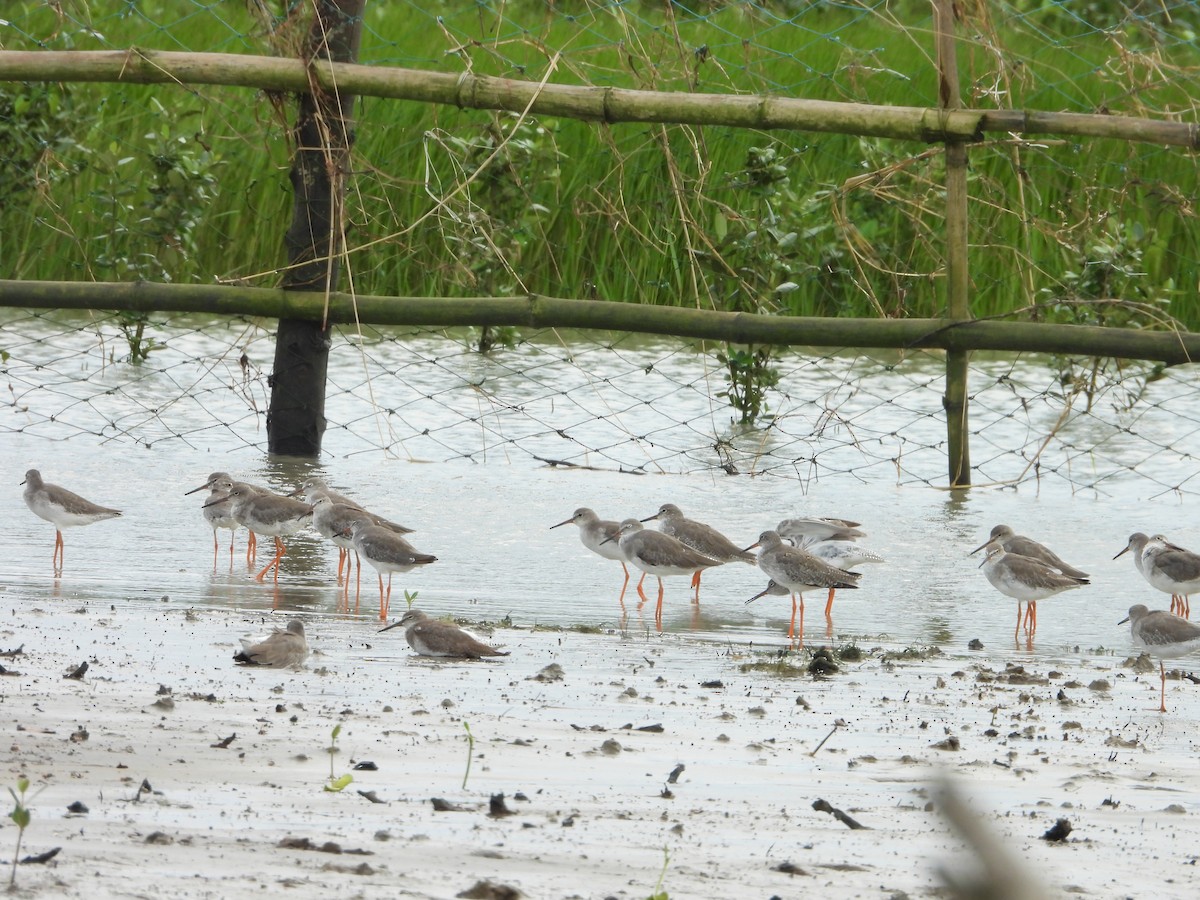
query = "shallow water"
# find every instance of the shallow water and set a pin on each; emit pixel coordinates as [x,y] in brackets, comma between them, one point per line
[462,470]
[489,527]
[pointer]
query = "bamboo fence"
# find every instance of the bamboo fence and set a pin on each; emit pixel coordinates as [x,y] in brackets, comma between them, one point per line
[950,124]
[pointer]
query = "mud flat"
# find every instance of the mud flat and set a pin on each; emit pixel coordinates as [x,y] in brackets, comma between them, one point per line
[628,763]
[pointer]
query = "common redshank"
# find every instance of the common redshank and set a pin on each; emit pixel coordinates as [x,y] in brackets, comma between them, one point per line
[1026,580]
[62,509]
[1167,567]
[281,649]
[1163,635]
[268,514]
[599,536]
[433,637]
[386,551]
[798,571]
[704,539]
[220,515]
[659,555]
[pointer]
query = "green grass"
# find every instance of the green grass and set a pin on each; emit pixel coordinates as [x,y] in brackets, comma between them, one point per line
[100,182]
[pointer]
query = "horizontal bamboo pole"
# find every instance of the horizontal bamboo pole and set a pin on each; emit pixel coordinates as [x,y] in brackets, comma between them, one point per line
[535,311]
[603,104]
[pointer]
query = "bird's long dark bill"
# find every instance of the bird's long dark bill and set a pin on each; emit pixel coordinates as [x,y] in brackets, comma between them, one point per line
[388,628]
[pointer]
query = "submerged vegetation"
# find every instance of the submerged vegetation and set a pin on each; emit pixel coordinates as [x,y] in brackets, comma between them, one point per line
[122,182]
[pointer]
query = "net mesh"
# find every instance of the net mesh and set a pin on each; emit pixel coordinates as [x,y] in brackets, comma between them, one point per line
[611,401]
[190,184]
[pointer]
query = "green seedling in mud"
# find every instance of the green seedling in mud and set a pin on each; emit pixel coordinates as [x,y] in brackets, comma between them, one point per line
[410,599]
[21,818]
[336,784]
[659,893]
[470,753]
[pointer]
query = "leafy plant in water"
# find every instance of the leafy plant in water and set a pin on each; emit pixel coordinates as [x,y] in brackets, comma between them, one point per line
[750,376]
[133,327]
[336,783]
[410,599]
[748,271]
[21,817]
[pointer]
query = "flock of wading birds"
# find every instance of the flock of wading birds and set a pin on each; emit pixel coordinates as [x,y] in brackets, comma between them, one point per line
[800,554]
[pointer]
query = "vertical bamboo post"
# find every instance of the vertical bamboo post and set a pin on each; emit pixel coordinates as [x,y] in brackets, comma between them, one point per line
[323,135]
[957,276]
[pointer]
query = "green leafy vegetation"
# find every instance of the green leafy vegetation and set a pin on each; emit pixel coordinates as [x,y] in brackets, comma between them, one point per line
[21,817]
[336,783]
[129,182]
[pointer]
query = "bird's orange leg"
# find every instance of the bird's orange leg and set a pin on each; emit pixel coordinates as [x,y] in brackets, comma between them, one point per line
[385,602]
[658,607]
[214,549]
[642,593]
[792,624]
[696,584]
[1031,617]
[1186,602]
[232,533]
[829,604]
[59,554]
[342,554]
[273,564]
[800,630]
[624,584]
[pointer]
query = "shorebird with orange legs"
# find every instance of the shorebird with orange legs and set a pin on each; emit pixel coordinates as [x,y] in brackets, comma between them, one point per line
[62,509]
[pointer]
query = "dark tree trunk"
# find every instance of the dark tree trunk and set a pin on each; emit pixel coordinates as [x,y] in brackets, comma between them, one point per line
[323,136]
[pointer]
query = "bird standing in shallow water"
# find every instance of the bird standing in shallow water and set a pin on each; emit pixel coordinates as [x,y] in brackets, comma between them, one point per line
[599,536]
[1163,635]
[1167,567]
[659,555]
[283,648]
[704,539]
[1026,580]
[796,571]
[431,637]
[387,552]
[62,509]
[1023,546]
[270,514]
[218,512]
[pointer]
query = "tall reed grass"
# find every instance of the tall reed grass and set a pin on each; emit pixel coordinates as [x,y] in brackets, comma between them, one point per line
[117,182]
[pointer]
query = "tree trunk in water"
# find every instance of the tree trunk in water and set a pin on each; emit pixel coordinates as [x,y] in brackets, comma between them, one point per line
[323,137]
